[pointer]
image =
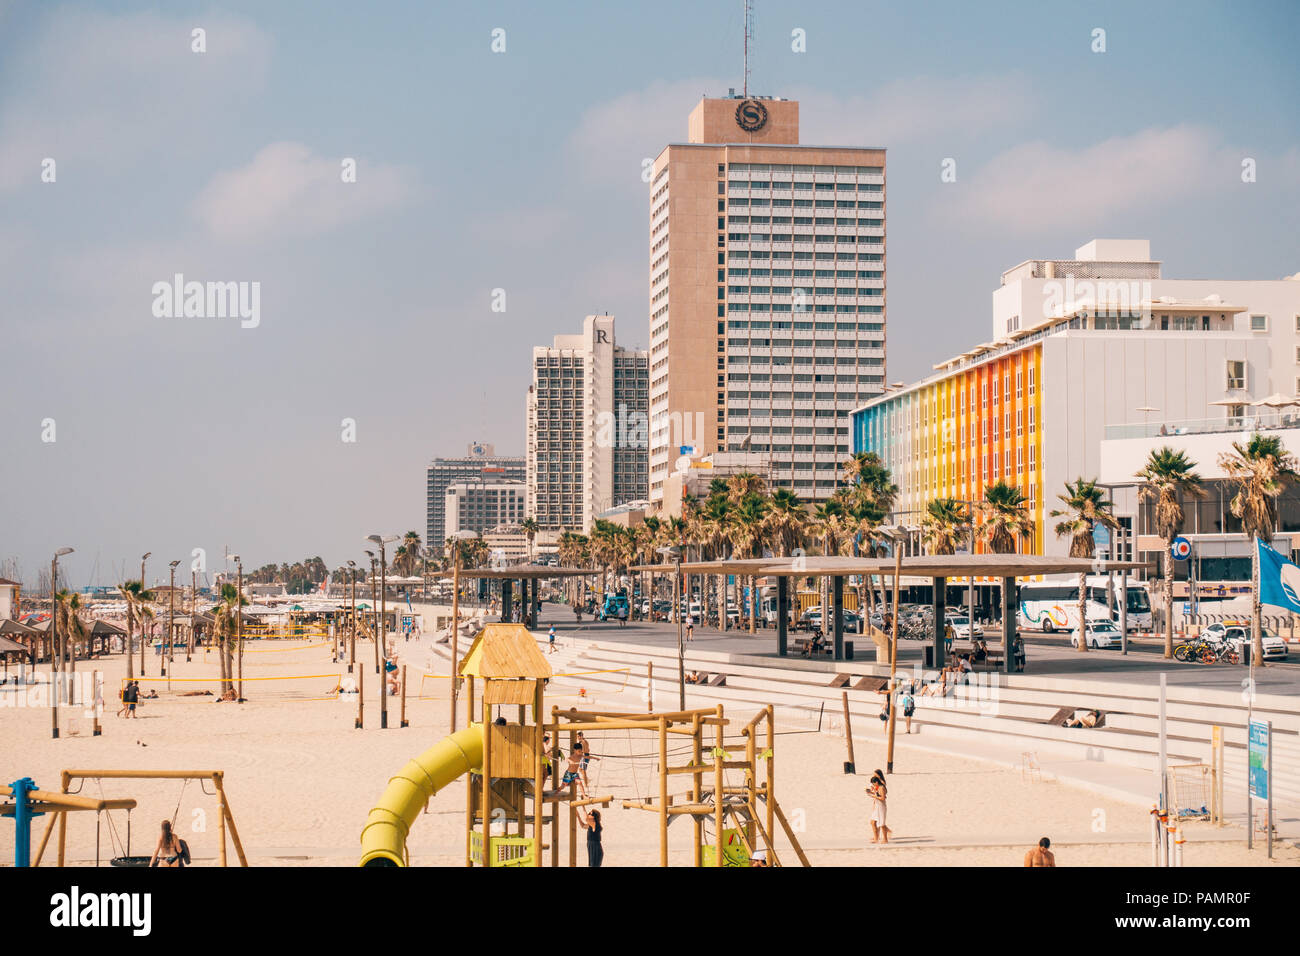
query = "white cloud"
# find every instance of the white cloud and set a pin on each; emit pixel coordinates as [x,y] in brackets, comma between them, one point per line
[100,91]
[286,188]
[614,138]
[1037,185]
[916,109]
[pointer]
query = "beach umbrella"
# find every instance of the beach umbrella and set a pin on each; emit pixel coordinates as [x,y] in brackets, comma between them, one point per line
[1277,400]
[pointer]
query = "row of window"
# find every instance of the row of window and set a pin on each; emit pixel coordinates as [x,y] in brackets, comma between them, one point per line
[836,326]
[848,308]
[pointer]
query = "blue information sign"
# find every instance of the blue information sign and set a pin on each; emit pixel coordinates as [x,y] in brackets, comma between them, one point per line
[1259,744]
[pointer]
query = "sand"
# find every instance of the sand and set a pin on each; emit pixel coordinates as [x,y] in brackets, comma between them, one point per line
[301,779]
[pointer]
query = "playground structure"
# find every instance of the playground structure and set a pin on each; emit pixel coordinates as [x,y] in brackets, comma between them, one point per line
[25,806]
[69,800]
[505,762]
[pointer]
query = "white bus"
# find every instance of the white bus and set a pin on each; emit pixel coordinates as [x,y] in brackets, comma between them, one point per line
[1051,606]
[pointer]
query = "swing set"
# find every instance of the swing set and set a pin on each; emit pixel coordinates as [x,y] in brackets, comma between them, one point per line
[122,849]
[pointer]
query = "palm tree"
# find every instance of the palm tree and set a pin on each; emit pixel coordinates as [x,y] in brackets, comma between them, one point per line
[650,537]
[1006,517]
[226,614]
[1260,470]
[1167,477]
[72,629]
[943,523]
[747,539]
[136,595]
[786,520]
[827,525]
[530,528]
[1086,507]
[715,525]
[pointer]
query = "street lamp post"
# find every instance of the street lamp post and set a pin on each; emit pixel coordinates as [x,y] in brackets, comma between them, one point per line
[383,621]
[143,587]
[456,538]
[352,619]
[374,609]
[239,621]
[171,623]
[194,613]
[675,553]
[56,653]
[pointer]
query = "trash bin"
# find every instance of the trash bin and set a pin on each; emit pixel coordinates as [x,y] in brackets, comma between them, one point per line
[848,650]
[1246,649]
[928,652]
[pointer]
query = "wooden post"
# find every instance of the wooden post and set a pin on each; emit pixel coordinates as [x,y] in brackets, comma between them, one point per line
[573,825]
[63,817]
[771,768]
[663,791]
[849,766]
[893,657]
[649,687]
[405,723]
[361,699]
[221,826]
[97,700]
[751,782]
[218,780]
[718,787]
[487,776]
[539,802]
[697,756]
[469,819]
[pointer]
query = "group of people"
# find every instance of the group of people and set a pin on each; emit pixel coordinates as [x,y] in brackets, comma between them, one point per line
[575,773]
[131,696]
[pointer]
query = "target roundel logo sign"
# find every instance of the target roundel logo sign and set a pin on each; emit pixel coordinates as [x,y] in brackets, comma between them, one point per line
[1181,549]
[751,115]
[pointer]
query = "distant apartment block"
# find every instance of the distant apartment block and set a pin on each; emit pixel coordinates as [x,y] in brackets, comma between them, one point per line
[767,293]
[587,414]
[480,464]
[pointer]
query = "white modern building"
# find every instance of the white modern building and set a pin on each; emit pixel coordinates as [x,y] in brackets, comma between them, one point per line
[484,504]
[587,414]
[1085,350]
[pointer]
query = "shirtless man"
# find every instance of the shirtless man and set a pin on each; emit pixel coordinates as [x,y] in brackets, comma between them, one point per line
[1041,855]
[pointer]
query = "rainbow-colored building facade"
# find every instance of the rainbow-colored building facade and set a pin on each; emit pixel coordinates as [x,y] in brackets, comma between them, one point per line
[977,421]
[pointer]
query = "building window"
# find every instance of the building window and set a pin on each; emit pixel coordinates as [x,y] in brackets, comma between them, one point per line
[1259,323]
[1236,373]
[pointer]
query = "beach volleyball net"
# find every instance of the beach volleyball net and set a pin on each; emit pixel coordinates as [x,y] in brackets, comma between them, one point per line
[278,687]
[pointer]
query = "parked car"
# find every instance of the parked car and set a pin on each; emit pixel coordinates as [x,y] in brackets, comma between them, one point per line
[1237,633]
[812,620]
[962,629]
[1102,635]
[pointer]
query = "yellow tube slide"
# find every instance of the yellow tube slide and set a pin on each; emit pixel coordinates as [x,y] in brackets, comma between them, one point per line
[383,841]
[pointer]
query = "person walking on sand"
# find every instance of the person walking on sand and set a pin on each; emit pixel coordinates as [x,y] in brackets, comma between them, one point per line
[591,823]
[130,695]
[878,794]
[909,707]
[1041,855]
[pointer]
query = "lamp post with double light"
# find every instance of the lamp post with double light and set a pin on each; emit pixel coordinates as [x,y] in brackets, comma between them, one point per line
[380,635]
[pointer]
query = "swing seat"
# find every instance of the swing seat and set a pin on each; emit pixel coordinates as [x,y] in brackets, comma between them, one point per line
[130,861]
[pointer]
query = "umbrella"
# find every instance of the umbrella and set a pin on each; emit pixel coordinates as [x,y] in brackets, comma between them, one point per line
[1277,400]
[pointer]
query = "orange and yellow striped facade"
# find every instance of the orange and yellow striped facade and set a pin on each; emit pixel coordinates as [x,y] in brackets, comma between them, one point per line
[958,432]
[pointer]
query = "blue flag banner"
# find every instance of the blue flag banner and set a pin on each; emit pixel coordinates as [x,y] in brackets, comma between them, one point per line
[1279,580]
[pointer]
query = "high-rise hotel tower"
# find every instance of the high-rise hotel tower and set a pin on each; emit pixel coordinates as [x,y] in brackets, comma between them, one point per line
[767,293]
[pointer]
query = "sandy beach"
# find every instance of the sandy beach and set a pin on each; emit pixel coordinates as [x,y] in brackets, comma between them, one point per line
[301,779]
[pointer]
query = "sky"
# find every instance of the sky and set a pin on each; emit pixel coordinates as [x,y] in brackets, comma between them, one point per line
[307,425]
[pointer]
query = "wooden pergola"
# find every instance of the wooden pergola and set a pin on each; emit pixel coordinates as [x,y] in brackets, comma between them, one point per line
[524,574]
[938,568]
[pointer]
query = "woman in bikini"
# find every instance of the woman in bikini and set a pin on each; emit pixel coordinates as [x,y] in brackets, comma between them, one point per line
[169,852]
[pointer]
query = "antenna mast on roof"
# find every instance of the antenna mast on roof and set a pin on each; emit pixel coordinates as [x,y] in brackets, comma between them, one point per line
[749,32]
